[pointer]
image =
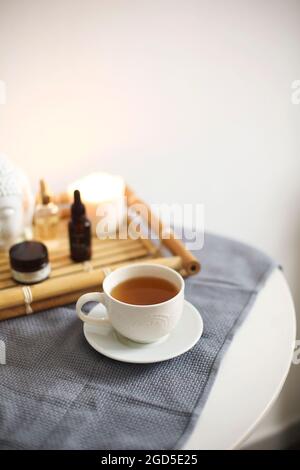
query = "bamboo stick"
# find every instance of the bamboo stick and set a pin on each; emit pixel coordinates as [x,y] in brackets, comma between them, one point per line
[176,246]
[5,273]
[46,304]
[151,248]
[7,283]
[104,261]
[64,260]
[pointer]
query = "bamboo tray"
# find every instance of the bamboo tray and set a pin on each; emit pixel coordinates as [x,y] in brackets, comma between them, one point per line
[69,280]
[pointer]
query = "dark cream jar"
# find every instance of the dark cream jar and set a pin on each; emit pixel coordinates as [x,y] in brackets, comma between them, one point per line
[29,262]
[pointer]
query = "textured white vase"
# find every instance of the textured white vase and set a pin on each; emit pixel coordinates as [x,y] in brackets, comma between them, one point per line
[16,203]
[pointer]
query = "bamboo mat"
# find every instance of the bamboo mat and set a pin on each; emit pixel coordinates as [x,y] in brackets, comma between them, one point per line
[68,280]
[105,252]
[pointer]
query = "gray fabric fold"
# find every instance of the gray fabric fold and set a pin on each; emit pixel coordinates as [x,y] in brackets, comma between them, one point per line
[56,392]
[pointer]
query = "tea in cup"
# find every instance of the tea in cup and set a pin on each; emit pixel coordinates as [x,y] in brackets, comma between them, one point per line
[144,302]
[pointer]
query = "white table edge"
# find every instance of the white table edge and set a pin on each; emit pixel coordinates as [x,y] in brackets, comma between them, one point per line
[275,303]
[281,384]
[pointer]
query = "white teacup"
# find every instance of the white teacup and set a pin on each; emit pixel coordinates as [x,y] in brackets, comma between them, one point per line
[141,323]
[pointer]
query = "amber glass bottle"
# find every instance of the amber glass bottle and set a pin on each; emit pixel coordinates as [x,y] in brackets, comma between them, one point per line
[79,231]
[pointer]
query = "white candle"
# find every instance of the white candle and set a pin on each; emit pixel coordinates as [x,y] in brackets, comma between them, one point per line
[103,196]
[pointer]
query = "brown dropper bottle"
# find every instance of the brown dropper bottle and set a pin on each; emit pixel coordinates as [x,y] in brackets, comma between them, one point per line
[79,231]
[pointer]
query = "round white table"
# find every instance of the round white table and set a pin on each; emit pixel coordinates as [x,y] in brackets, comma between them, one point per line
[252,372]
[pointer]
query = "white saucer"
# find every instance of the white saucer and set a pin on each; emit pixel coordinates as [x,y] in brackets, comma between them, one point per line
[105,340]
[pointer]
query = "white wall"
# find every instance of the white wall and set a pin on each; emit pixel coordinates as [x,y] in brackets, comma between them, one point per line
[189,100]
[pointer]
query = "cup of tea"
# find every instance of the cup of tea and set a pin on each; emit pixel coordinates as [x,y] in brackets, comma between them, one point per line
[143,301]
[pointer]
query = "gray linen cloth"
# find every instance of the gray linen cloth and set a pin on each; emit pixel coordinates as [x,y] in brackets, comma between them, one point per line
[56,392]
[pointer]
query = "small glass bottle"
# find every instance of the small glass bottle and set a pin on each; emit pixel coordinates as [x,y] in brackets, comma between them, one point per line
[46,216]
[80,234]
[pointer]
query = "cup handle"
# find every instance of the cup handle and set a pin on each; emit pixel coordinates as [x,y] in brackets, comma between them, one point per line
[91,297]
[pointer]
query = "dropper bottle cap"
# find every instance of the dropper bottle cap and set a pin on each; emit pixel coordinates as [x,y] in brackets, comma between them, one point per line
[45,197]
[77,209]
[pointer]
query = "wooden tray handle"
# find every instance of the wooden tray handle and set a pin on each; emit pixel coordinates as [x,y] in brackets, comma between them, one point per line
[176,246]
